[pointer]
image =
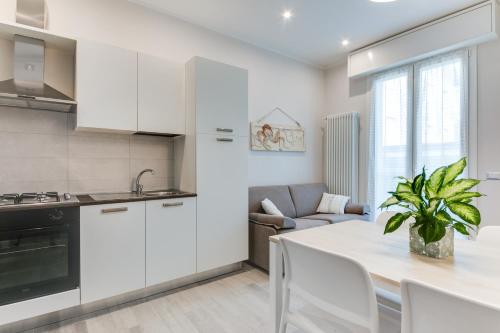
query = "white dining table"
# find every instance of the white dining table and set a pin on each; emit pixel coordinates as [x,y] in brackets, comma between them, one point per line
[473,271]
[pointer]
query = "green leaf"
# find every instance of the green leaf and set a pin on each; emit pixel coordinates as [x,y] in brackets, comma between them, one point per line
[443,217]
[411,198]
[433,205]
[454,170]
[466,212]
[461,197]
[405,179]
[433,184]
[418,222]
[404,187]
[418,183]
[440,232]
[395,222]
[456,187]
[389,202]
[460,227]
[432,231]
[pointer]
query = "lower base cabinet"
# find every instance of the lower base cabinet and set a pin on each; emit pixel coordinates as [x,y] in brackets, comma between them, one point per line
[112,250]
[130,246]
[170,239]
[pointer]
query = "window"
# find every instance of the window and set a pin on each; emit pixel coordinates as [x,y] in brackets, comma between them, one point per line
[419,118]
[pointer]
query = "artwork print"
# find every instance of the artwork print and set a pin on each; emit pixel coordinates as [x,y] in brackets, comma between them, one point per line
[268,137]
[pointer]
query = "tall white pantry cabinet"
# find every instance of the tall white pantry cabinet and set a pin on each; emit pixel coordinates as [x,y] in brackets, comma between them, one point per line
[214,161]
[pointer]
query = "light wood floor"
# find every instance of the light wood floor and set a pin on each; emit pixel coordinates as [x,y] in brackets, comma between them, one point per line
[237,303]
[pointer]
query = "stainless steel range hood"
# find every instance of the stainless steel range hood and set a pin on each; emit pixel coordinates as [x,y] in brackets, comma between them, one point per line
[27,89]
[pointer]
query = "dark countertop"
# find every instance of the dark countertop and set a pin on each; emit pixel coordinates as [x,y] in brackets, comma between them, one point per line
[110,198]
[97,199]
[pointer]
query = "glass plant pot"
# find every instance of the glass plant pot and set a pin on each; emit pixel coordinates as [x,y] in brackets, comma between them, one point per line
[440,249]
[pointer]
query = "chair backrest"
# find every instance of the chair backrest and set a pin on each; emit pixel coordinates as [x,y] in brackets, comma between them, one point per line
[383,217]
[428,309]
[336,284]
[489,235]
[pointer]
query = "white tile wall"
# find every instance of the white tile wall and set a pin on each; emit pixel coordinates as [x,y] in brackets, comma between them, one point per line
[39,151]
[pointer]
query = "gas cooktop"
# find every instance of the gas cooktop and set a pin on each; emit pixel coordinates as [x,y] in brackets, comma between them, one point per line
[35,199]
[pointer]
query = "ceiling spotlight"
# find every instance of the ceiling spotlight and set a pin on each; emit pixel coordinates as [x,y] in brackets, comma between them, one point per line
[345,42]
[382,0]
[287,14]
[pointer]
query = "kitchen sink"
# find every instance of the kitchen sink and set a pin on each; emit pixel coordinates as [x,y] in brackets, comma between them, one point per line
[159,193]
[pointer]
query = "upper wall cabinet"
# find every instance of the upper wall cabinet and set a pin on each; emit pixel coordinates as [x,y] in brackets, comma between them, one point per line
[221,98]
[106,87]
[161,96]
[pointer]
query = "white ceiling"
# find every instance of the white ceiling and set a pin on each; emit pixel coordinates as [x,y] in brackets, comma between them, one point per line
[315,32]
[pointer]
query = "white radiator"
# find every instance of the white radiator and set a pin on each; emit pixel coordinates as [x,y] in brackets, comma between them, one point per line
[341,155]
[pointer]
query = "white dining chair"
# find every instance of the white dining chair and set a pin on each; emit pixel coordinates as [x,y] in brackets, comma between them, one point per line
[383,217]
[337,285]
[489,235]
[429,309]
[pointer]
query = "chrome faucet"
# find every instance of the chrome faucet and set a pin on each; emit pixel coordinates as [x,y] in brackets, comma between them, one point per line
[138,186]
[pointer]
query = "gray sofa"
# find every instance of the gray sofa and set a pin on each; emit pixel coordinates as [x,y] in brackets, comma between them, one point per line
[298,203]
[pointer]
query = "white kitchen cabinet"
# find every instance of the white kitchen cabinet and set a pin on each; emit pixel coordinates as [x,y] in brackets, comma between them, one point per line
[213,163]
[221,97]
[160,96]
[222,172]
[112,250]
[106,87]
[170,239]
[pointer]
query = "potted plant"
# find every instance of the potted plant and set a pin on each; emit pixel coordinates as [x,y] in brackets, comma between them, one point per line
[438,205]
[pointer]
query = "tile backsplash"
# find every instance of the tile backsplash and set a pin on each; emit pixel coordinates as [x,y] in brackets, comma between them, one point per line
[40,151]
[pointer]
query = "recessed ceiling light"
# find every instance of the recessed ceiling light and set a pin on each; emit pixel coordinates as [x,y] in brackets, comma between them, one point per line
[345,42]
[287,14]
[382,0]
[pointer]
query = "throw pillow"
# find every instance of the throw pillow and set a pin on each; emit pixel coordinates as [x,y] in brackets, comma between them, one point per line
[270,208]
[332,204]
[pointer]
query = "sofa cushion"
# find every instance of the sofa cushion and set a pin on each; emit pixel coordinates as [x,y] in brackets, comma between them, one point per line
[335,218]
[302,224]
[306,197]
[279,195]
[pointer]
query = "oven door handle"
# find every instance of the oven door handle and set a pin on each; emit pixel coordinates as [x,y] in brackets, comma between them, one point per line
[32,249]
[5,235]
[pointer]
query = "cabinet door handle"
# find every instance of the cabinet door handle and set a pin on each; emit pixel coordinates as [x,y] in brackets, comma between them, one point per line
[114,210]
[172,204]
[225,130]
[224,140]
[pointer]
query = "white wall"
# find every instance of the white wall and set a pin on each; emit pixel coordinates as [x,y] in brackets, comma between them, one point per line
[343,95]
[273,79]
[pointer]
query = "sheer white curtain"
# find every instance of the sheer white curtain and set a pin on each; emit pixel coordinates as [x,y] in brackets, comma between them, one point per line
[390,137]
[418,118]
[441,110]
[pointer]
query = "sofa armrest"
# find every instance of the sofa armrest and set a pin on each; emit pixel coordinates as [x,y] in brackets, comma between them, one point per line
[352,208]
[278,222]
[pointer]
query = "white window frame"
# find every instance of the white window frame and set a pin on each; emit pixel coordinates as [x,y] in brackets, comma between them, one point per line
[472,141]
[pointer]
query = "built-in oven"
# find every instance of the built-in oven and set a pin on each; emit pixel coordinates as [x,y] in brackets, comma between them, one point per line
[39,252]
